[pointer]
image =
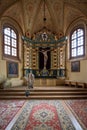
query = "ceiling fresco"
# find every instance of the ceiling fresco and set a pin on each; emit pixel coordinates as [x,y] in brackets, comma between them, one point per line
[29,14]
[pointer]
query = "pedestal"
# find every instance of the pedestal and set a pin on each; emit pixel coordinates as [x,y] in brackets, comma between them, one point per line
[44,82]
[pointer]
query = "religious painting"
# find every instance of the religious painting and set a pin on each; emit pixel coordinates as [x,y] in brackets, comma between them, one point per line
[12,69]
[75,66]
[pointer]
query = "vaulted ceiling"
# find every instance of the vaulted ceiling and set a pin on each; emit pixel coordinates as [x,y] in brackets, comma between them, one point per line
[29,13]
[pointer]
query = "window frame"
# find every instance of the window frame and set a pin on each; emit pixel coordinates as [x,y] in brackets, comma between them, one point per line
[80,56]
[17,48]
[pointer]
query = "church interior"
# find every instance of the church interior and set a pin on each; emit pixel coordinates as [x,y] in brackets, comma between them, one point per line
[47,38]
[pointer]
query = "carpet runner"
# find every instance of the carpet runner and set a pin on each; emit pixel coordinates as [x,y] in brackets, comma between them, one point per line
[43,115]
[79,109]
[8,109]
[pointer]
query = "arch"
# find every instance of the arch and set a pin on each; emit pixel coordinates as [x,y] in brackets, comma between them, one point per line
[80,22]
[7,21]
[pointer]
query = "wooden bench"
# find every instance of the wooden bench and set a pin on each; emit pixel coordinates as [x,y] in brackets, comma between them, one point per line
[70,83]
[82,84]
[86,85]
[75,83]
[67,82]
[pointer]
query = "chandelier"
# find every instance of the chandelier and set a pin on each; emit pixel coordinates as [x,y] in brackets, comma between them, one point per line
[44,37]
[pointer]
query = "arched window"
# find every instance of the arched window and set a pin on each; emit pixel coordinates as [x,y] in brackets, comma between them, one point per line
[10,38]
[77,43]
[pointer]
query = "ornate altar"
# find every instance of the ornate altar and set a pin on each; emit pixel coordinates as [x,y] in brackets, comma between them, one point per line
[56,57]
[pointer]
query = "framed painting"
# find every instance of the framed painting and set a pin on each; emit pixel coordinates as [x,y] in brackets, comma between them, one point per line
[12,69]
[75,66]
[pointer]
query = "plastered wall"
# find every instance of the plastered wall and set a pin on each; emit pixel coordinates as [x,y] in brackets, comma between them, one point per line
[3,61]
[82,75]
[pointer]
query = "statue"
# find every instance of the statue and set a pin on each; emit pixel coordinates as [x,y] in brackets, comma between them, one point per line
[30,80]
[44,52]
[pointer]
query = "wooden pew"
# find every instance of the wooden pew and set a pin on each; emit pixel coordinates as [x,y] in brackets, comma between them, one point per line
[74,83]
[86,85]
[82,84]
[70,83]
[67,82]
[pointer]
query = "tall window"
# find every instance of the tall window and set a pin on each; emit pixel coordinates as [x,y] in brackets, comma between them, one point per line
[77,47]
[10,42]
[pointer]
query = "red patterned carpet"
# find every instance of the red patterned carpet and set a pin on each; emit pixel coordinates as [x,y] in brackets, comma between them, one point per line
[79,109]
[43,116]
[8,109]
